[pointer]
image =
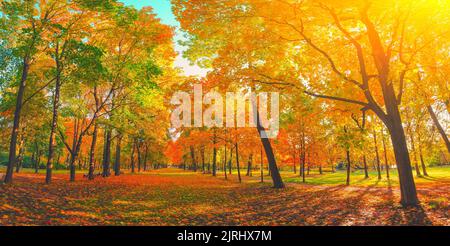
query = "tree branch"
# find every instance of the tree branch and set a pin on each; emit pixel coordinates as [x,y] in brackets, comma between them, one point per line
[341,99]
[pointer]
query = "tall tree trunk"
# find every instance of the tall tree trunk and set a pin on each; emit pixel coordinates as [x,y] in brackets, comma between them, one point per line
[230,163]
[21,153]
[386,160]
[73,159]
[320,168]
[422,162]
[73,152]
[366,171]
[225,163]
[249,166]
[145,158]
[303,158]
[194,162]
[237,163]
[407,184]
[57,161]
[414,152]
[33,159]
[349,167]
[54,125]
[139,145]
[74,155]
[132,157]
[274,172]
[107,154]
[16,122]
[214,171]
[308,161]
[92,152]
[262,166]
[202,153]
[117,159]
[377,153]
[295,163]
[214,166]
[38,162]
[439,127]
[303,172]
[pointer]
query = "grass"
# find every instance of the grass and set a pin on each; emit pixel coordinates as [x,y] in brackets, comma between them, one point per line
[357,178]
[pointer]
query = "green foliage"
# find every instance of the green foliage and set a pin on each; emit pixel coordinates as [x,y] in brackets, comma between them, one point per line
[87,59]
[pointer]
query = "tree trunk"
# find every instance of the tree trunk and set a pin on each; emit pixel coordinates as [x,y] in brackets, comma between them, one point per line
[262,166]
[214,171]
[386,160]
[249,166]
[349,167]
[377,153]
[33,159]
[73,153]
[366,171]
[274,172]
[294,162]
[54,125]
[193,156]
[230,163]
[132,158]
[57,161]
[92,152]
[117,159]
[145,158]
[407,184]
[439,127]
[107,154]
[38,162]
[225,163]
[237,163]
[416,161]
[21,153]
[303,166]
[422,162]
[73,158]
[320,169]
[202,153]
[16,123]
[214,166]
[138,148]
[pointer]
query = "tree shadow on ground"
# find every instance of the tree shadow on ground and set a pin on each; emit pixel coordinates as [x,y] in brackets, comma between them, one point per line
[412,216]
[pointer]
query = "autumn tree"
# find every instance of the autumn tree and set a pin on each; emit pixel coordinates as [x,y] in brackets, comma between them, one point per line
[376,54]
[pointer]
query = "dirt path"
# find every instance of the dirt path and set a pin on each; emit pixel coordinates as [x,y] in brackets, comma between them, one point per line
[173,197]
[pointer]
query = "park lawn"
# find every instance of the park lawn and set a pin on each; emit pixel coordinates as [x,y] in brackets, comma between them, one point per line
[357,178]
[176,197]
[436,175]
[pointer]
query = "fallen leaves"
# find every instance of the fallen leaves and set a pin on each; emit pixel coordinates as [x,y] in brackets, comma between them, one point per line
[173,197]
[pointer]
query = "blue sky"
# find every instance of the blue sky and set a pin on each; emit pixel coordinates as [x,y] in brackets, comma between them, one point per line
[163,9]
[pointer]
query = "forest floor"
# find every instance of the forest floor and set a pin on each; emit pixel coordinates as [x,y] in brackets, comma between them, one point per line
[175,197]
